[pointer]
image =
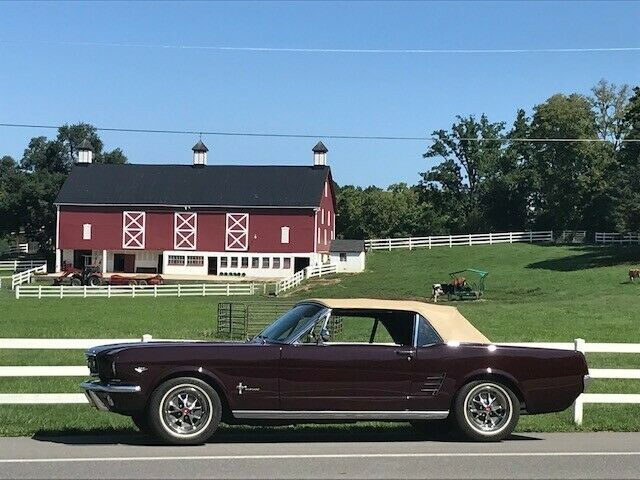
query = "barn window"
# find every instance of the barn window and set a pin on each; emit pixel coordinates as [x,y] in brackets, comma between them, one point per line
[286,263]
[86,231]
[234,262]
[265,262]
[185,231]
[195,261]
[223,262]
[237,235]
[276,262]
[176,260]
[245,262]
[133,224]
[343,257]
[255,262]
[284,234]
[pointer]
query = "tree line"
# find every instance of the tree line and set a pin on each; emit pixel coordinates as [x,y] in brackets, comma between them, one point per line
[494,177]
[508,178]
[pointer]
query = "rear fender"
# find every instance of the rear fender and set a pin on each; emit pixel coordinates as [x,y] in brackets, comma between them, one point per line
[495,374]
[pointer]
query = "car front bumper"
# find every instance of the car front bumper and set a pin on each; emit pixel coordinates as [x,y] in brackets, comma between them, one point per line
[111,396]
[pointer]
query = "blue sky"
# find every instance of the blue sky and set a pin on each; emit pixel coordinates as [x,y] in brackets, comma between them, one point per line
[325,93]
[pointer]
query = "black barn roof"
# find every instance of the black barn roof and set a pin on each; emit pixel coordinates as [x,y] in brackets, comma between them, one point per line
[178,185]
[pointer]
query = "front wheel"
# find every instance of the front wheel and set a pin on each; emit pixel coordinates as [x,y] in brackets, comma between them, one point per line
[486,411]
[184,411]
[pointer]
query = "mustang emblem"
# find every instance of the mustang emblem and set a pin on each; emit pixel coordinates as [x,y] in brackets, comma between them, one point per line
[242,388]
[141,369]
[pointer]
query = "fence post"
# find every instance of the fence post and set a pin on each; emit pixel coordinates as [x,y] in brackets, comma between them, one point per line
[17,292]
[389,240]
[204,293]
[133,291]
[530,236]
[490,238]
[109,291]
[39,292]
[551,233]
[15,265]
[578,410]
[450,242]
[470,240]
[179,289]
[579,345]
[429,242]
[228,289]
[61,291]
[155,291]
[84,291]
[510,237]
[146,337]
[410,246]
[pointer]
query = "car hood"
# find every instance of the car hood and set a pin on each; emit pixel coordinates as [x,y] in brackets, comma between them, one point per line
[118,347]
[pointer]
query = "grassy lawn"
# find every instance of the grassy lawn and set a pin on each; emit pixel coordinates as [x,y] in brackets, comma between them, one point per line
[534,293]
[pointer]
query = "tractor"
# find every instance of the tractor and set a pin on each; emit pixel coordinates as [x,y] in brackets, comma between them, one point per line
[89,275]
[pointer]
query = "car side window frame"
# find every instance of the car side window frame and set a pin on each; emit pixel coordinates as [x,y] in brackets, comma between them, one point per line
[323,318]
[416,331]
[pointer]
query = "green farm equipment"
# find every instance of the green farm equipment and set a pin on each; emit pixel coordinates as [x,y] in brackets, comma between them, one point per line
[465,289]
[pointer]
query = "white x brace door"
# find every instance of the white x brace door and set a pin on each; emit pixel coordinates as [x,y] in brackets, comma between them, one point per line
[237,235]
[133,229]
[185,233]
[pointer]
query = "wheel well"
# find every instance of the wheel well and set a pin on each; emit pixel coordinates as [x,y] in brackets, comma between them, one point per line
[496,377]
[226,410]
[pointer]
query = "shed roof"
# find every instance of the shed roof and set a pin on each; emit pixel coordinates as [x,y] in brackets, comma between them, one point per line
[184,185]
[344,245]
[450,324]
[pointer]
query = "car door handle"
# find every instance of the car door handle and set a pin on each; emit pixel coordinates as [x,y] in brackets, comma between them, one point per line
[408,353]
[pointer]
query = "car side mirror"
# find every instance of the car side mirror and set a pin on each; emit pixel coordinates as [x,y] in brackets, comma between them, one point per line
[324,335]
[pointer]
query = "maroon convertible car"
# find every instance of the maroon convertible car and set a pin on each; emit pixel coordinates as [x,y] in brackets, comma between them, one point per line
[337,361]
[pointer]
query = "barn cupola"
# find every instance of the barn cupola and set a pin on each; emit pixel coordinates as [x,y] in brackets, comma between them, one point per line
[199,154]
[85,153]
[319,155]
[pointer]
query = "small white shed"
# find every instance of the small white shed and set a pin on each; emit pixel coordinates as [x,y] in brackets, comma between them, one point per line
[347,255]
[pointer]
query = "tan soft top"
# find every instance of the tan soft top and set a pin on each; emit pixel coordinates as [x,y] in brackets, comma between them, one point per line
[448,321]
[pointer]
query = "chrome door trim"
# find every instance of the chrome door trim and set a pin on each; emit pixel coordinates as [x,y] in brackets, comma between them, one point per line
[341,414]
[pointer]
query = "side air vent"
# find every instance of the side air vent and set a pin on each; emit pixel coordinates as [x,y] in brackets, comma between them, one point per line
[432,385]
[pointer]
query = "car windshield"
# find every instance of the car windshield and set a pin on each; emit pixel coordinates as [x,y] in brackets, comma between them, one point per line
[293,323]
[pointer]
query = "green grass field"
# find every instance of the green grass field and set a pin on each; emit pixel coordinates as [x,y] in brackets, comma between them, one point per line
[534,293]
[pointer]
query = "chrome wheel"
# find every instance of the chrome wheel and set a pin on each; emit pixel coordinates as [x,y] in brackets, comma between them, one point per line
[185,410]
[488,408]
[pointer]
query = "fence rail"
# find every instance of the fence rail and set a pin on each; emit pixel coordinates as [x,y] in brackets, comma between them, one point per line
[19,248]
[454,240]
[26,276]
[134,291]
[15,265]
[617,238]
[298,277]
[81,371]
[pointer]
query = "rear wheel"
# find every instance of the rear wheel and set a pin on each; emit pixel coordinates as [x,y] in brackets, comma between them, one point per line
[184,411]
[486,411]
[142,282]
[95,281]
[132,283]
[76,282]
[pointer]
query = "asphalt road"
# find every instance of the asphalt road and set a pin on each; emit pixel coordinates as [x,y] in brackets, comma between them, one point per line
[581,455]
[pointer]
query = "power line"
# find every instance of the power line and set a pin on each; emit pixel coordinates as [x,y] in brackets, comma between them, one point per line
[221,48]
[333,137]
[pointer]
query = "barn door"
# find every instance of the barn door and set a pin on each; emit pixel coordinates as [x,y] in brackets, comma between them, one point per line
[185,232]
[133,229]
[237,234]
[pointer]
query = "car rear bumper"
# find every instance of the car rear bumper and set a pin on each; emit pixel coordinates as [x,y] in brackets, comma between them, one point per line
[115,397]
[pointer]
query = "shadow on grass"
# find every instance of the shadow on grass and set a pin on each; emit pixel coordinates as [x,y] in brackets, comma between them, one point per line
[243,434]
[591,256]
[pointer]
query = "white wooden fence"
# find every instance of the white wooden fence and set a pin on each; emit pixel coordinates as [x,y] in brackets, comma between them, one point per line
[15,265]
[82,371]
[453,240]
[135,291]
[298,277]
[19,248]
[26,276]
[617,238]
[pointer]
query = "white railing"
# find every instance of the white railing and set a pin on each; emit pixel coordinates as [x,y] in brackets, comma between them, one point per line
[82,371]
[453,240]
[15,265]
[134,291]
[617,238]
[26,276]
[19,248]
[298,277]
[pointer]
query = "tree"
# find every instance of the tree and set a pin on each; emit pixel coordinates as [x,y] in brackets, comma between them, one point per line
[630,163]
[470,150]
[610,104]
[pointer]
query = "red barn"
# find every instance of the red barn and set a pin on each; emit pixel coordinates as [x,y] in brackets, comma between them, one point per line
[261,221]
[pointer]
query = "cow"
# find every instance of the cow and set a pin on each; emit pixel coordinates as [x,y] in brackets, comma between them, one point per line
[633,274]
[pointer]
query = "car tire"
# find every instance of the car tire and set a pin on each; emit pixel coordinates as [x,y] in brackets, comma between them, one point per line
[141,421]
[486,411]
[172,408]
